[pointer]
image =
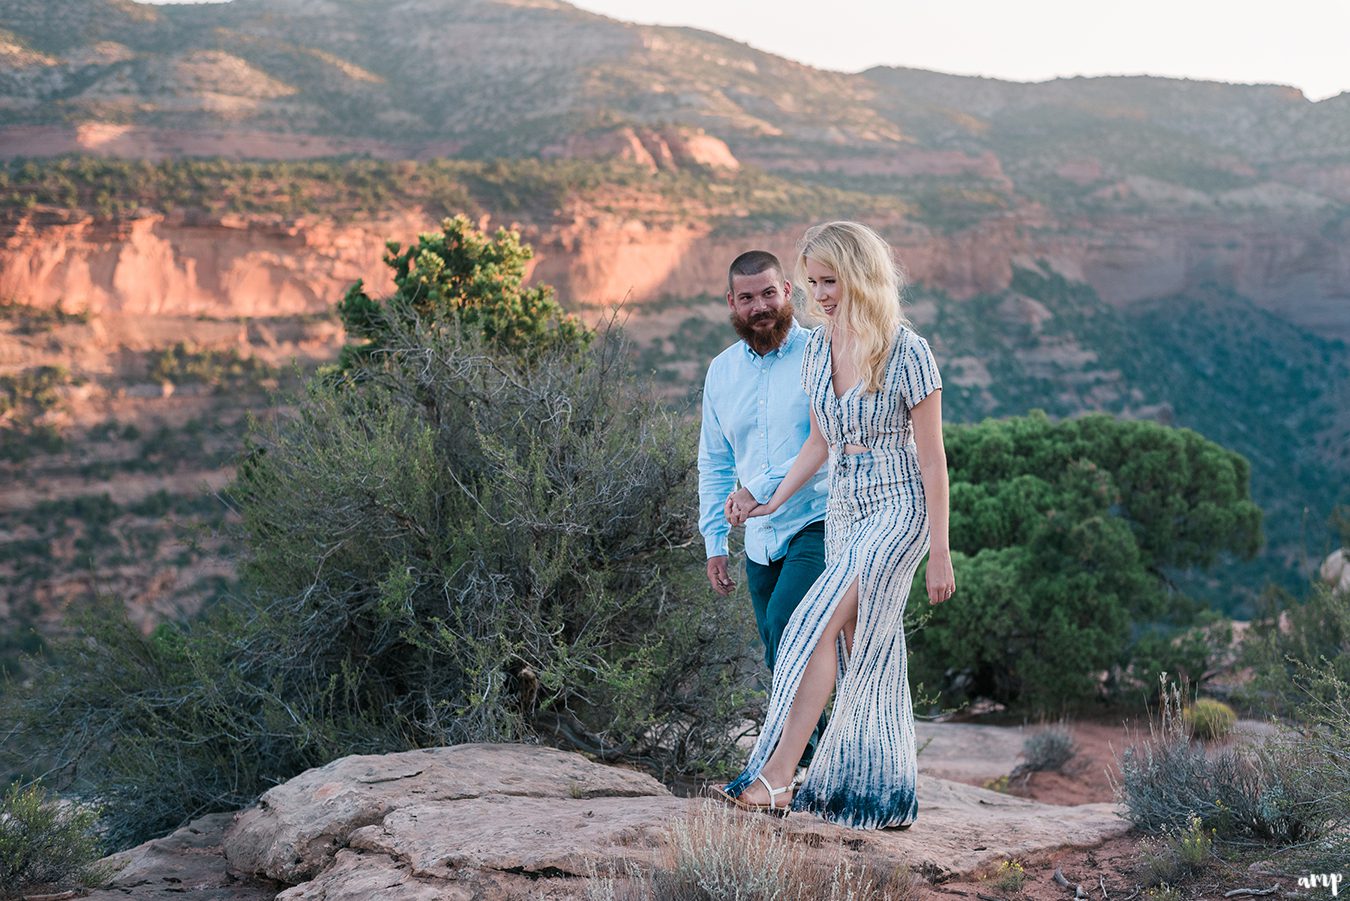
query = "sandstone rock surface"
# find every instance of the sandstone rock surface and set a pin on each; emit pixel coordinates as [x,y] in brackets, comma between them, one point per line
[187,863]
[968,752]
[1336,571]
[295,829]
[496,820]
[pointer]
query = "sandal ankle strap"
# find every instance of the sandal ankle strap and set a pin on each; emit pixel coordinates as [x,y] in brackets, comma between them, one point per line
[773,792]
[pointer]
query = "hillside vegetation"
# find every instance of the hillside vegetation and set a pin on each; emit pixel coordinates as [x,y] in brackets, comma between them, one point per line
[545,77]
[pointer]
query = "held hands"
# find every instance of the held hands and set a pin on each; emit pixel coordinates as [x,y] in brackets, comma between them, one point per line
[941,582]
[741,505]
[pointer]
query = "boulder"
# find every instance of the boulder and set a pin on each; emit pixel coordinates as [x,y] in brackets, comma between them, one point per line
[187,863]
[476,821]
[1336,571]
[296,828]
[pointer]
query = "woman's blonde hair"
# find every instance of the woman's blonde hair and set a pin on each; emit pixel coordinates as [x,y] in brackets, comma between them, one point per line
[870,283]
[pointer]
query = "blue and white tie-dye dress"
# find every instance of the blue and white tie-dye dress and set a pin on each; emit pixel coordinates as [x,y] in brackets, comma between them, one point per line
[864,770]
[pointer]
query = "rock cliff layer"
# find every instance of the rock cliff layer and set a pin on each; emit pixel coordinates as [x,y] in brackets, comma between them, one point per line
[232,266]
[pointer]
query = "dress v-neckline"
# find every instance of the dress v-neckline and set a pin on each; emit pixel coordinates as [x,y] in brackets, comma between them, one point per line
[829,370]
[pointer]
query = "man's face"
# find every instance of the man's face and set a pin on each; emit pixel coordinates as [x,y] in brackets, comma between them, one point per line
[761,309]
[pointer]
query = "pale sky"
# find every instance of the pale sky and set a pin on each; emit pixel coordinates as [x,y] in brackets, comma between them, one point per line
[1291,42]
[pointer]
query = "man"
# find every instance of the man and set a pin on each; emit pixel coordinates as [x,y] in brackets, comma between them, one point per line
[755,420]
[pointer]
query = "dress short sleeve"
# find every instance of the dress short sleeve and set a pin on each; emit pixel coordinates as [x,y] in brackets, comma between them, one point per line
[809,354]
[919,376]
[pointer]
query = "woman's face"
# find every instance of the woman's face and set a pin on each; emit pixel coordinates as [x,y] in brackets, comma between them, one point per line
[823,284]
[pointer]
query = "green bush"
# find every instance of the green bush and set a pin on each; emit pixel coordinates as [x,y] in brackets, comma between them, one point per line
[1062,535]
[1209,719]
[462,276]
[1315,630]
[459,545]
[46,844]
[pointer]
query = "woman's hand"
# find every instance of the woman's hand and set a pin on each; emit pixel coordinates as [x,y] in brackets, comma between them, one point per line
[761,510]
[738,506]
[941,581]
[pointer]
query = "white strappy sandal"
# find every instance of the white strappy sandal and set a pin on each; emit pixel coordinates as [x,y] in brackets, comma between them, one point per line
[771,808]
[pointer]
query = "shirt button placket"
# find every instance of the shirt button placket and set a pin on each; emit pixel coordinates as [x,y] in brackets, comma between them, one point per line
[764,408]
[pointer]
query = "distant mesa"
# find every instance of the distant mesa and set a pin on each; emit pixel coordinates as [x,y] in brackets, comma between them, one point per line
[655,149]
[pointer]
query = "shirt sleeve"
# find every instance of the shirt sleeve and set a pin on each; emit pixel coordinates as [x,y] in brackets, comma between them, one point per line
[919,376]
[716,476]
[762,486]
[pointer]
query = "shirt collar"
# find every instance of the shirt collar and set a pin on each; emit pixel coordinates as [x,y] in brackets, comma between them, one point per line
[793,334]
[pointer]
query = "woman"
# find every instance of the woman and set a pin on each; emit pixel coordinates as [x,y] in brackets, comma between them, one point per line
[876,415]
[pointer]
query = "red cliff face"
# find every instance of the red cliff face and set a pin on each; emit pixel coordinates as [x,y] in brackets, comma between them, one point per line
[232,266]
[158,265]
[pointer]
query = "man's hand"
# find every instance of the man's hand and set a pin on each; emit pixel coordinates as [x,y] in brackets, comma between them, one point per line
[738,506]
[718,577]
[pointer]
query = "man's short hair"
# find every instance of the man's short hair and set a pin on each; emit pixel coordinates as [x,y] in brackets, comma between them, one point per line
[752,262]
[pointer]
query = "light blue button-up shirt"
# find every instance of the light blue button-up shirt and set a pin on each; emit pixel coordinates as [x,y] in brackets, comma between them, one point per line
[756,417]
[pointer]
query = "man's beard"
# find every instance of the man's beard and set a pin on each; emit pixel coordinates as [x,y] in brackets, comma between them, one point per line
[763,341]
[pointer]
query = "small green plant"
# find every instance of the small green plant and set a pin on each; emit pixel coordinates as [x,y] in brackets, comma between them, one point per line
[1010,876]
[1049,748]
[1162,892]
[997,784]
[1209,719]
[1194,844]
[1181,852]
[46,844]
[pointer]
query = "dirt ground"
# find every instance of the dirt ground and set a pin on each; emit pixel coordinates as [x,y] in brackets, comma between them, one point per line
[1110,871]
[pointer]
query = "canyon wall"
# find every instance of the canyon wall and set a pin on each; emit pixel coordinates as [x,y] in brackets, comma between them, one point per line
[233,266]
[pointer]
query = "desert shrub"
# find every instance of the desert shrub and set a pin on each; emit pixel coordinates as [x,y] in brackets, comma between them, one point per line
[507,537]
[717,854]
[22,442]
[154,728]
[1299,652]
[31,392]
[1209,719]
[1062,533]
[46,844]
[1320,760]
[1049,748]
[1290,638]
[1264,795]
[183,365]
[31,320]
[460,545]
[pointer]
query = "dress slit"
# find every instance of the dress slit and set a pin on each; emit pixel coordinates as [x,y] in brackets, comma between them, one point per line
[864,771]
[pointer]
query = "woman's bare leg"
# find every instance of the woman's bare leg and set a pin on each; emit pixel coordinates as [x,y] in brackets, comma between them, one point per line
[812,692]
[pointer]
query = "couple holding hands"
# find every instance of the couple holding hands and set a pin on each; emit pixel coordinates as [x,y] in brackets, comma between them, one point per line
[831,553]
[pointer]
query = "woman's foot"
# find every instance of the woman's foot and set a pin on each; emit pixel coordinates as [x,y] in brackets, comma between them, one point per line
[757,793]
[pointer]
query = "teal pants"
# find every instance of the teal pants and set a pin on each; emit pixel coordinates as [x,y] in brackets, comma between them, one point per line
[777,588]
